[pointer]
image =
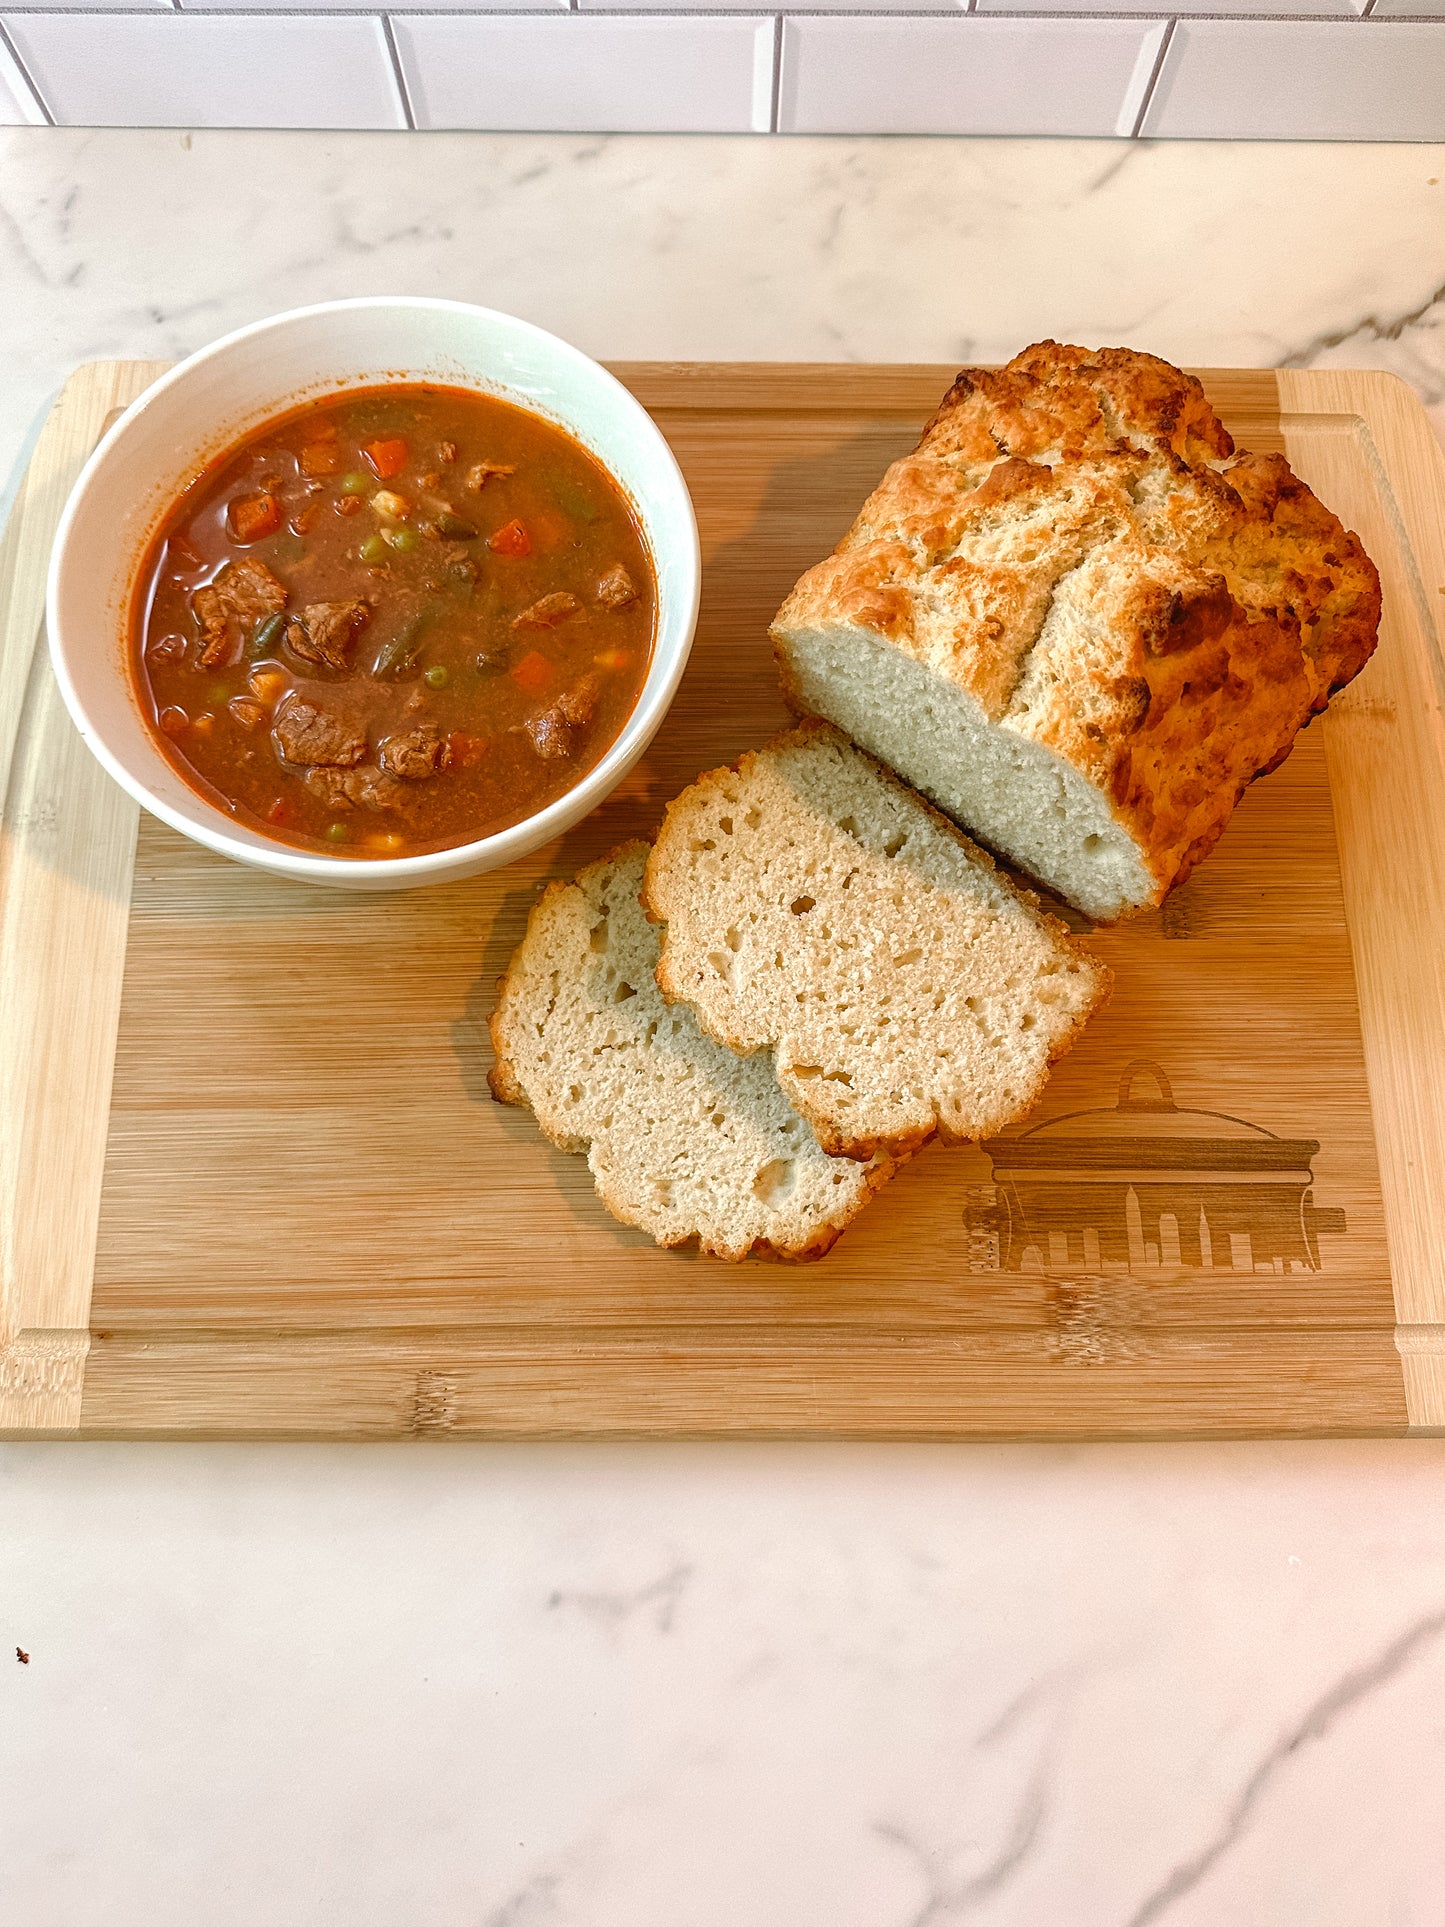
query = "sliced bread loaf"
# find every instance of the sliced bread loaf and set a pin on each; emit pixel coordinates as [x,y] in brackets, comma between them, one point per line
[1080,622]
[818,908]
[683,1139]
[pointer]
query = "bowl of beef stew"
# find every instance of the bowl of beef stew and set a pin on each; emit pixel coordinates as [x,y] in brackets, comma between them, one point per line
[376,593]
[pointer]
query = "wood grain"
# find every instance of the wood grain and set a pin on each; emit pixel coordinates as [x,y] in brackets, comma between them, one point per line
[313,1222]
[67,840]
[1353,436]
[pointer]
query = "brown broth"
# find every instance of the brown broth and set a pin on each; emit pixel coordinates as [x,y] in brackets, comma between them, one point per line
[444,646]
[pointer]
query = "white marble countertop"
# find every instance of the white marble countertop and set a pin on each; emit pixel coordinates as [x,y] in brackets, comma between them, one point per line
[724,1686]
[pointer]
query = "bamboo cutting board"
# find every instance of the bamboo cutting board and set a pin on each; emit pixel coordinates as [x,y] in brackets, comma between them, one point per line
[252,1183]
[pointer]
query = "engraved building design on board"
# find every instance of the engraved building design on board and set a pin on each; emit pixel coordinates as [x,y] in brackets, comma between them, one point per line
[1148,1188]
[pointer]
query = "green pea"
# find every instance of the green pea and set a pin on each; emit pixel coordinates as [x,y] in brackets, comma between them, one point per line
[438,676]
[355,483]
[404,539]
[266,634]
[337,833]
[373,549]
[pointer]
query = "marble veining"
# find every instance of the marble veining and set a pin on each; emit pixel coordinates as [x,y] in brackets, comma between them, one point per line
[149,243]
[701,1686]
[457,1686]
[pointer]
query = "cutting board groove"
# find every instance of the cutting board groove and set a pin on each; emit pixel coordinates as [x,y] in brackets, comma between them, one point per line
[253,1185]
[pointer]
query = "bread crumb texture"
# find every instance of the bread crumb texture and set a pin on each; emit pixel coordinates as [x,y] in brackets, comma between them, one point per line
[816,907]
[683,1138]
[1082,622]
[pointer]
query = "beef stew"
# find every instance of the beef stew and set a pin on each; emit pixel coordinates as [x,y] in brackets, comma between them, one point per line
[394,621]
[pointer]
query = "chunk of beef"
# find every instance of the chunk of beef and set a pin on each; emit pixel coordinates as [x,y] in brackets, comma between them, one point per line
[249,713]
[482,472]
[325,631]
[366,788]
[414,753]
[547,613]
[560,729]
[229,609]
[307,734]
[616,589]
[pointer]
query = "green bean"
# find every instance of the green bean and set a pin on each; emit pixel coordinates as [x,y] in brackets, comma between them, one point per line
[438,676]
[455,526]
[573,499]
[267,632]
[401,652]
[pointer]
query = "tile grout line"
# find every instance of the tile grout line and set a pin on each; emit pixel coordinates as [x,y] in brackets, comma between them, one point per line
[1153,80]
[26,76]
[863,11]
[874,13]
[398,73]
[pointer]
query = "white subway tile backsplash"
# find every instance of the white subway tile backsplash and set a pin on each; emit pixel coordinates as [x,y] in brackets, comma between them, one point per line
[593,74]
[1226,69]
[171,70]
[18,105]
[1346,8]
[389,6]
[965,76]
[1302,80]
[95,6]
[885,7]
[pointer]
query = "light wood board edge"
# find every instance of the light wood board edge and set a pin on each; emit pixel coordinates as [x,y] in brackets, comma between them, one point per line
[460,1384]
[1385,746]
[67,851]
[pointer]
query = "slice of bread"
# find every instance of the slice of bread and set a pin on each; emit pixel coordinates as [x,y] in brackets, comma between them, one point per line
[683,1139]
[1080,622]
[818,908]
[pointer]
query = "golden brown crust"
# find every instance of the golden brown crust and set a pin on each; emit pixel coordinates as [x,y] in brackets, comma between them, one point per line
[1204,603]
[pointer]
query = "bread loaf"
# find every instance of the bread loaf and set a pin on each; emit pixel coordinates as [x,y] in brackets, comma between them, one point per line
[818,909]
[1080,622]
[683,1139]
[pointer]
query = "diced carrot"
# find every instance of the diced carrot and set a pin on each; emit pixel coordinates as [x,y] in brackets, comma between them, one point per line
[348,505]
[203,724]
[384,845]
[304,520]
[464,751]
[613,658]
[175,722]
[254,516]
[510,539]
[320,458]
[549,531]
[387,458]
[269,684]
[280,811]
[533,673]
[322,431]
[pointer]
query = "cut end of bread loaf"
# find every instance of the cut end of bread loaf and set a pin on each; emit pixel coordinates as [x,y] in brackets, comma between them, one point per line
[1080,622]
[818,909]
[684,1140]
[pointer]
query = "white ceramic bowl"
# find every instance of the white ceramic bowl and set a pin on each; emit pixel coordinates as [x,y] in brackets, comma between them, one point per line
[222,393]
